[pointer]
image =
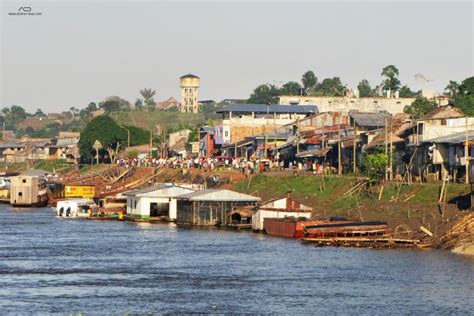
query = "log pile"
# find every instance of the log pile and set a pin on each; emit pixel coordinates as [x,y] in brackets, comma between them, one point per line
[460,238]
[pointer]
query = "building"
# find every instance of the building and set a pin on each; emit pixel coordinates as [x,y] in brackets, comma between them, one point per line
[167,104]
[154,202]
[212,207]
[346,104]
[242,120]
[27,190]
[279,208]
[206,141]
[189,85]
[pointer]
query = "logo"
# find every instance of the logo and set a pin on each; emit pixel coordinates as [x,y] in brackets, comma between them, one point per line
[25,11]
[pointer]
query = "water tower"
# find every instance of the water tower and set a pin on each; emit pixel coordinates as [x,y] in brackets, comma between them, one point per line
[189,85]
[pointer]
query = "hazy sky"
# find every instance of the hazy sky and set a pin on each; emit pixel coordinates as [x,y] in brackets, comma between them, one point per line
[77,52]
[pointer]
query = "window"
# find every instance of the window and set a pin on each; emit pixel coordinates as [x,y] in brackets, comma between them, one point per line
[226,133]
[20,193]
[24,180]
[443,122]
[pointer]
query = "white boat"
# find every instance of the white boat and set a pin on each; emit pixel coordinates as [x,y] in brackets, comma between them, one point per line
[75,208]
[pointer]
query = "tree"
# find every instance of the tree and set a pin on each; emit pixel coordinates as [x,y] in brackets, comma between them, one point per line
[332,87]
[375,165]
[291,88]
[391,82]
[309,81]
[148,95]
[114,104]
[406,92]
[139,104]
[467,87]
[452,88]
[420,107]
[104,129]
[364,88]
[74,111]
[39,113]
[264,94]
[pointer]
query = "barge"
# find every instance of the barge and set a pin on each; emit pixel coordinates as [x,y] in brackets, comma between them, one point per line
[292,227]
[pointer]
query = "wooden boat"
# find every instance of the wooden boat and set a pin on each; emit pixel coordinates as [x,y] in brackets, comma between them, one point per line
[348,229]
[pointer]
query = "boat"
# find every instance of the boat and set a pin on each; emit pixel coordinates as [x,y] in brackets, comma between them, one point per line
[293,227]
[347,229]
[74,208]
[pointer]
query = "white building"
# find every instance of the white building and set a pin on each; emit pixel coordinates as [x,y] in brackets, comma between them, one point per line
[279,208]
[346,104]
[155,202]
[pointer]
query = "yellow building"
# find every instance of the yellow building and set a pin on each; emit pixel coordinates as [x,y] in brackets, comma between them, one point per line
[189,85]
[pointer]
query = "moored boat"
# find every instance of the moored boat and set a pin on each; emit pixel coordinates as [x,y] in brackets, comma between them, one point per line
[348,229]
[75,208]
[292,227]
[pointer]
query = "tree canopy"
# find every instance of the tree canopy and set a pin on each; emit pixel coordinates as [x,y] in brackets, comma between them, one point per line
[464,97]
[309,81]
[420,107]
[104,129]
[365,90]
[391,81]
[264,94]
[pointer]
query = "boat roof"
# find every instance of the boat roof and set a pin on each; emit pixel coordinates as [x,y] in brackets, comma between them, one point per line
[221,195]
[162,190]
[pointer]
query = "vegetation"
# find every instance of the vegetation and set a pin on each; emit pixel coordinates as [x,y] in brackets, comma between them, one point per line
[391,82]
[462,95]
[375,165]
[104,129]
[420,107]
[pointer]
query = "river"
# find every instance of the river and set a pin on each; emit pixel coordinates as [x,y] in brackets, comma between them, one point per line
[52,265]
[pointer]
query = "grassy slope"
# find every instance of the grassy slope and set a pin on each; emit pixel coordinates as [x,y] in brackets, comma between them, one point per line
[326,198]
[149,120]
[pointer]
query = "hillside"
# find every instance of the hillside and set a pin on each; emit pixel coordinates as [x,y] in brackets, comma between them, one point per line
[149,120]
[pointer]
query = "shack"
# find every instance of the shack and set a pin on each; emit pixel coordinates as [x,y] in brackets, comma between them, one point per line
[154,202]
[279,208]
[28,191]
[213,207]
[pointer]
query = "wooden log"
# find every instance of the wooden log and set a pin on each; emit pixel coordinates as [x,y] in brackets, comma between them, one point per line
[426,231]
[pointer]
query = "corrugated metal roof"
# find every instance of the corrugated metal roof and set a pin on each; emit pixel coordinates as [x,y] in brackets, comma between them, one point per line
[219,195]
[163,190]
[455,138]
[271,108]
[11,145]
[370,119]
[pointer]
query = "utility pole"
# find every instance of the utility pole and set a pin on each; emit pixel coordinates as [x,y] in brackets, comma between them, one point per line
[466,153]
[354,147]
[386,147]
[391,149]
[151,143]
[339,154]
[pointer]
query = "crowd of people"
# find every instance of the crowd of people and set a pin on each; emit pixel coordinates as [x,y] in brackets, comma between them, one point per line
[246,166]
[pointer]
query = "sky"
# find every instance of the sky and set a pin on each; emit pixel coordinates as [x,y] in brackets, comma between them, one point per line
[78,52]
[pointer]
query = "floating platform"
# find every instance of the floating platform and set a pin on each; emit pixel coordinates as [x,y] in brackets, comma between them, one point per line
[376,242]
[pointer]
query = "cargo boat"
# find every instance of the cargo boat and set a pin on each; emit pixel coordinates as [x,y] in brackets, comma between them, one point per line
[292,227]
[348,229]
